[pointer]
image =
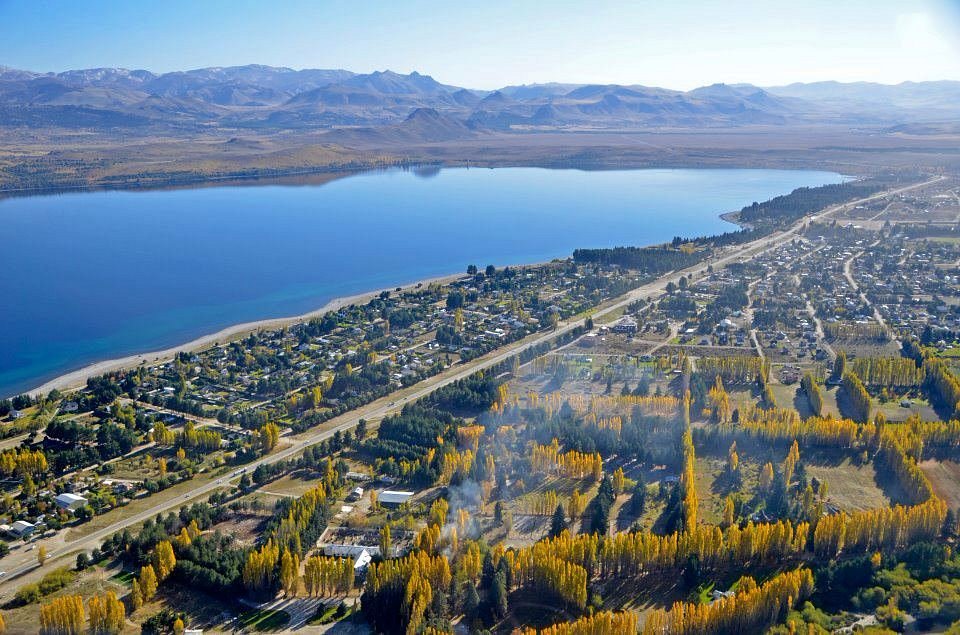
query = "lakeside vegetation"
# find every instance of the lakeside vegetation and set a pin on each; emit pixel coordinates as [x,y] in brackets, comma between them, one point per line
[702,460]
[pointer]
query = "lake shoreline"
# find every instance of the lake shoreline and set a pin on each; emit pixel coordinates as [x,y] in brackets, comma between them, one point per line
[77,379]
[66,380]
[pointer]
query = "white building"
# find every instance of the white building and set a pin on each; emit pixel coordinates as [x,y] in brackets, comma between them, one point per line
[362,561]
[392,498]
[70,502]
[22,528]
[349,551]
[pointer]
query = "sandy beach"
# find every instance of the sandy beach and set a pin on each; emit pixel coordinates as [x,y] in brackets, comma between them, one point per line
[78,378]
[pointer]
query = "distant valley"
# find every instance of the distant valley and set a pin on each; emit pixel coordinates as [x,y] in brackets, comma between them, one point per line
[112,127]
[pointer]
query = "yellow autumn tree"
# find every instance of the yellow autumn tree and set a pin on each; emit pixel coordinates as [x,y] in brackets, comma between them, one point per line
[728,512]
[106,614]
[148,582]
[163,560]
[63,616]
[576,505]
[183,538]
[289,573]
[258,571]
[386,542]
[268,436]
[136,595]
[766,477]
[604,623]
[618,480]
[325,576]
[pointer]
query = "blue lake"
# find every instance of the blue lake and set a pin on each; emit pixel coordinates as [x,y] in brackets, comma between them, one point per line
[91,276]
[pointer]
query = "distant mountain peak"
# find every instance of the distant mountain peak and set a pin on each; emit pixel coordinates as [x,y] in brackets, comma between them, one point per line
[284,98]
[426,114]
[495,98]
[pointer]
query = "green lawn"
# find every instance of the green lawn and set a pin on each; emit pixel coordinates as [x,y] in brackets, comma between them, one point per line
[893,411]
[124,577]
[264,619]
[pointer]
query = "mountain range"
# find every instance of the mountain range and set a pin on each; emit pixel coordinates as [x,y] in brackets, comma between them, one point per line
[387,105]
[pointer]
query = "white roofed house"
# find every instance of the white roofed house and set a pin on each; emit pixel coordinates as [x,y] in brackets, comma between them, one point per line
[22,528]
[727,324]
[349,551]
[70,502]
[391,498]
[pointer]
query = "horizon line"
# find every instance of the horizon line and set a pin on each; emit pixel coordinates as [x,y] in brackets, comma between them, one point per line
[509,85]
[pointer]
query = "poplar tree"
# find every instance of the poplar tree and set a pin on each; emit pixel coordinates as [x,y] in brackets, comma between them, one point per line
[163,560]
[148,582]
[386,543]
[62,616]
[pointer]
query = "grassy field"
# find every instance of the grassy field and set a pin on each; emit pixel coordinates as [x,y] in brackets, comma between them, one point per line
[789,396]
[624,519]
[245,527]
[93,581]
[710,492]
[180,490]
[740,397]
[849,486]
[830,401]
[945,478]
[893,411]
[264,620]
[289,486]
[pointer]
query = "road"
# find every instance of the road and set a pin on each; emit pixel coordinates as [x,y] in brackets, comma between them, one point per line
[392,403]
[848,274]
[200,422]
[748,314]
[821,334]
[817,324]
[673,332]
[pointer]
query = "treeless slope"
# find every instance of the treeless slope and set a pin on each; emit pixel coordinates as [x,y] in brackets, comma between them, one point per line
[423,125]
[945,478]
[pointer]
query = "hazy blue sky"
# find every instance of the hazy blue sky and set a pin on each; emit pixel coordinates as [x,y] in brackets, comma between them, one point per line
[676,44]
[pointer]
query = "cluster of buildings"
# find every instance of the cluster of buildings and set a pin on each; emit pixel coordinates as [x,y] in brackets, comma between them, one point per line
[24,529]
[401,329]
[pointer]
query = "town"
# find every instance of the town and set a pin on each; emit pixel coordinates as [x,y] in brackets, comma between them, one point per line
[655,439]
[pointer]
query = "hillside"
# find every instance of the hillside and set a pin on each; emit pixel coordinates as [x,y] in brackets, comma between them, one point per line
[276,99]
